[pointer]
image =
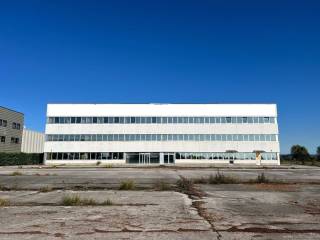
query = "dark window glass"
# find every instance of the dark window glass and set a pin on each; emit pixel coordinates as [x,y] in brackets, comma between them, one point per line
[169,119]
[110,119]
[228,120]
[245,120]
[14,125]
[206,120]
[120,155]
[223,120]
[106,120]
[94,120]
[255,120]
[3,139]
[190,119]
[143,120]
[121,120]
[175,120]
[18,126]
[116,120]
[133,120]
[158,120]
[234,120]
[59,156]
[250,119]
[73,120]
[138,120]
[218,120]
[78,120]
[239,119]
[154,120]
[76,155]
[148,120]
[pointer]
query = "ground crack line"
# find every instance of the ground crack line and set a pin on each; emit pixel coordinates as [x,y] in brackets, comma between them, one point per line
[186,187]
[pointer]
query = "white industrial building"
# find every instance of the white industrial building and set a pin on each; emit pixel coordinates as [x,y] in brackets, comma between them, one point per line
[162,134]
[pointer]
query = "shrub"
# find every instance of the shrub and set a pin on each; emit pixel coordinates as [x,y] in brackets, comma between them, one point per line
[11,159]
[220,178]
[185,184]
[127,185]
[4,202]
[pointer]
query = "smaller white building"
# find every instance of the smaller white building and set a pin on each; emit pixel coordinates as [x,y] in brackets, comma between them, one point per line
[32,141]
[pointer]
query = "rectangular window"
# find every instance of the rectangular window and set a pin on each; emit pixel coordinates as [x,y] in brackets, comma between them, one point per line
[228,119]
[239,119]
[14,125]
[191,120]
[212,120]
[73,120]
[154,120]
[94,120]
[116,120]
[138,120]
[255,120]
[106,120]
[100,120]
[3,139]
[78,120]
[110,120]
[133,120]
[4,123]
[148,120]
[169,119]
[245,120]
[250,119]
[223,120]
[164,120]
[158,120]
[175,120]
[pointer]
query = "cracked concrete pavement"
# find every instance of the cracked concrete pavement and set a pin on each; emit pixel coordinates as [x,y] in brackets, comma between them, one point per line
[227,211]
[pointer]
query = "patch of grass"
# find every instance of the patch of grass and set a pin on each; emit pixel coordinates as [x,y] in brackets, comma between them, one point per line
[127,185]
[185,184]
[107,202]
[4,202]
[45,189]
[161,186]
[76,200]
[16,173]
[220,178]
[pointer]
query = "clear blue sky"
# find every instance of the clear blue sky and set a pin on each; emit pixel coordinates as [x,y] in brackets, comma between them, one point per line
[164,51]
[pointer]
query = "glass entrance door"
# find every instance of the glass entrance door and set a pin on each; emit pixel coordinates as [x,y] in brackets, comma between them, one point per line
[168,158]
[144,158]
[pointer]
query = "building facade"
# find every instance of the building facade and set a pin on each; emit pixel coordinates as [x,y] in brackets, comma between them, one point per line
[32,141]
[11,126]
[162,133]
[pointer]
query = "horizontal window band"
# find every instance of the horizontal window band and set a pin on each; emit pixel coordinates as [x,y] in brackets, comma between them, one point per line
[160,120]
[178,155]
[159,137]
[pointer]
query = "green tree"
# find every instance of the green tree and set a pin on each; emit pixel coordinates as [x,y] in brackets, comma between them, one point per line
[318,153]
[300,153]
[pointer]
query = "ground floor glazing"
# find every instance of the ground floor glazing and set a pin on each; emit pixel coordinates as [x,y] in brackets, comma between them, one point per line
[161,157]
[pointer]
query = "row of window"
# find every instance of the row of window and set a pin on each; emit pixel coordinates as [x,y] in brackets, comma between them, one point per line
[157,120]
[13,139]
[179,155]
[4,123]
[161,137]
[226,156]
[84,156]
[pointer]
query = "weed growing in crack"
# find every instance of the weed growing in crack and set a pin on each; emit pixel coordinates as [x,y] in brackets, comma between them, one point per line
[127,185]
[4,202]
[220,178]
[161,186]
[16,173]
[45,189]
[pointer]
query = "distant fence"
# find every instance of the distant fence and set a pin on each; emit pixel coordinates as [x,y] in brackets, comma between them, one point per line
[10,159]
